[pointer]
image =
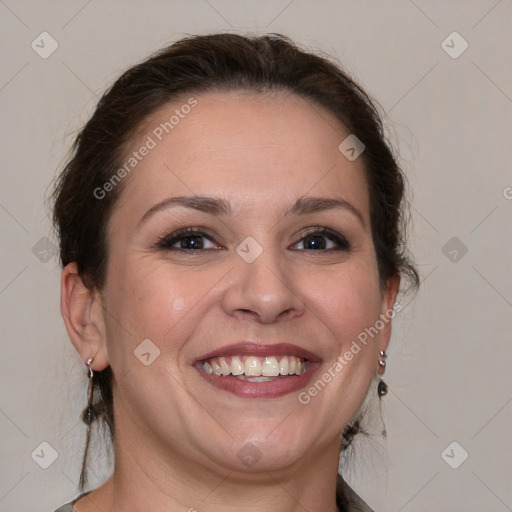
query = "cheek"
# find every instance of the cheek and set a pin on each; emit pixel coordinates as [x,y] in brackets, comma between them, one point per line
[345,302]
[348,304]
[149,301]
[346,307]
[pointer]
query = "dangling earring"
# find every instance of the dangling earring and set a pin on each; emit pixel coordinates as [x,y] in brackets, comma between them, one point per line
[382,388]
[89,413]
[88,416]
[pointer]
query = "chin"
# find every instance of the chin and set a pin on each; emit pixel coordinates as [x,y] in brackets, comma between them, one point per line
[262,451]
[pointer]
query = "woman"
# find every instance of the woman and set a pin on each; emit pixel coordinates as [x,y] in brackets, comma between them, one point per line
[231,232]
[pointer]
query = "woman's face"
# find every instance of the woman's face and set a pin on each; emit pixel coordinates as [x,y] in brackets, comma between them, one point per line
[273,273]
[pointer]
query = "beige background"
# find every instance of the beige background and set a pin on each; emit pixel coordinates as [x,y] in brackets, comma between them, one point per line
[450,355]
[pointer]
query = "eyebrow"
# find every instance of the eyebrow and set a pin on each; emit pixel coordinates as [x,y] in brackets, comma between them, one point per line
[218,206]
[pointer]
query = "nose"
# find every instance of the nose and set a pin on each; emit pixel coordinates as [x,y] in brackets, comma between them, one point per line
[264,290]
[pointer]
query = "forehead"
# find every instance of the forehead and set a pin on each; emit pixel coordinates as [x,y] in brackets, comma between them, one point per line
[248,148]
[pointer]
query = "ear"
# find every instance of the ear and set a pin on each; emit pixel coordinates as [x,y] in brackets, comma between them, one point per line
[388,310]
[82,311]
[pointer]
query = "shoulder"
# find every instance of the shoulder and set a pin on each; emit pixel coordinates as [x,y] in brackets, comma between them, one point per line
[68,507]
[348,500]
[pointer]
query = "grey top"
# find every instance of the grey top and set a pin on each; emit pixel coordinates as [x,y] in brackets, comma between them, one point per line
[346,499]
[68,507]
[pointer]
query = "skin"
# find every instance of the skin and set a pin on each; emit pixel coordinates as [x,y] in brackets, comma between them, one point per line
[177,436]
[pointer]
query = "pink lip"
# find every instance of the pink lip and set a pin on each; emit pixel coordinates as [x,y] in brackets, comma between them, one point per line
[249,348]
[270,389]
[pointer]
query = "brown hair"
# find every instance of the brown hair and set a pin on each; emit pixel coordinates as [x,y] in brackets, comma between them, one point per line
[217,62]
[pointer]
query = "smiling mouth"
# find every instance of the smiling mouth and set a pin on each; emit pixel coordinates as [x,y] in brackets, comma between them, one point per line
[258,370]
[254,368]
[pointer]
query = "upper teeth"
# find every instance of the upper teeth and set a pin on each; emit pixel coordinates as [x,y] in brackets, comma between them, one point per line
[270,366]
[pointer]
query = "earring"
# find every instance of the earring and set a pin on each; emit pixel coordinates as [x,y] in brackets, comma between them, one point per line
[89,413]
[384,356]
[88,364]
[382,388]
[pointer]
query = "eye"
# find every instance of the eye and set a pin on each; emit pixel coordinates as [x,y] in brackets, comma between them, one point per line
[188,239]
[324,239]
[193,239]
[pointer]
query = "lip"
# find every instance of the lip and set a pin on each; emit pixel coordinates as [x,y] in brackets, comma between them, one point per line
[249,348]
[269,389]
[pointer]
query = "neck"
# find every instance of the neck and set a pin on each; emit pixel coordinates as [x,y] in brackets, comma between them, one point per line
[146,478]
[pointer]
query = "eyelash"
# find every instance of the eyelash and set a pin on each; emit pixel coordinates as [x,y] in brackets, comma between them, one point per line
[167,241]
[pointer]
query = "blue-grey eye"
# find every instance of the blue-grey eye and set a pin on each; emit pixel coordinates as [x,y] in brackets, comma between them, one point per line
[188,240]
[323,240]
